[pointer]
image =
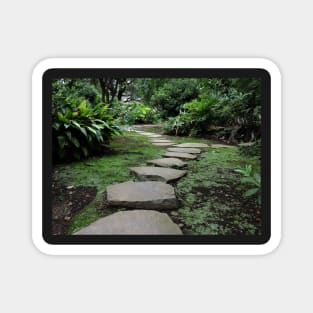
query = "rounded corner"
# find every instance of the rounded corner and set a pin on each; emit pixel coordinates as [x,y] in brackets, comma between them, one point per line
[271,67]
[41,245]
[42,67]
[271,245]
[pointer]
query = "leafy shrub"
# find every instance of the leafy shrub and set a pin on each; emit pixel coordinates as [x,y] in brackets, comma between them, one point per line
[194,119]
[230,103]
[81,131]
[134,112]
[251,179]
[173,94]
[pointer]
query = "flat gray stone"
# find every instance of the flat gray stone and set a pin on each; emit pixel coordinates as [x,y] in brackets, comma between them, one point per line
[185,150]
[246,144]
[161,141]
[192,145]
[163,144]
[145,133]
[168,162]
[154,136]
[135,222]
[180,155]
[157,173]
[221,146]
[142,195]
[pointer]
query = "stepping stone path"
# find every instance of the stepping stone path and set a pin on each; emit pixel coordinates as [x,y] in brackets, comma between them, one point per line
[192,145]
[135,222]
[142,195]
[185,150]
[149,195]
[180,155]
[157,173]
[168,162]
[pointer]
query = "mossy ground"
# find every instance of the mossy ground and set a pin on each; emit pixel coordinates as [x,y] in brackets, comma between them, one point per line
[126,151]
[210,195]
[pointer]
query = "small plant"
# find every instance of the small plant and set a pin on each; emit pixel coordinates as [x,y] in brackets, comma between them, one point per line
[251,178]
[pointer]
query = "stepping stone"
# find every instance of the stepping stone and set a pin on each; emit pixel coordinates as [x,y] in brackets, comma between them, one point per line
[180,155]
[184,150]
[192,145]
[154,136]
[135,222]
[142,195]
[246,144]
[163,144]
[161,141]
[157,173]
[145,134]
[168,162]
[221,146]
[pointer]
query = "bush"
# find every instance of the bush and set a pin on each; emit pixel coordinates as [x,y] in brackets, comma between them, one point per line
[134,112]
[81,131]
[194,119]
[173,94]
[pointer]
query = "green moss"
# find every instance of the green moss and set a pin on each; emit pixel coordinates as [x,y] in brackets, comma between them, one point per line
[127,150]
[211,195]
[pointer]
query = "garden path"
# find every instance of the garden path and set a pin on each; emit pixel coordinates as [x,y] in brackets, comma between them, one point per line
[151,194]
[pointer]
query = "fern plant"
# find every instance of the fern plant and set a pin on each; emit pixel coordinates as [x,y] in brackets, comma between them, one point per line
[252,179]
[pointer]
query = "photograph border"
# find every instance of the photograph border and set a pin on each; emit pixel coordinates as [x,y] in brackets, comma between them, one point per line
[193,244]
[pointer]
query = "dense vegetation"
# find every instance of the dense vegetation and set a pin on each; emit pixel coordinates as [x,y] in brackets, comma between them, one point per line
[87,112]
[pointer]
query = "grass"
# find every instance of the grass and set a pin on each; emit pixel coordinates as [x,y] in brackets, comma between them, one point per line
[127,150]
[210,195]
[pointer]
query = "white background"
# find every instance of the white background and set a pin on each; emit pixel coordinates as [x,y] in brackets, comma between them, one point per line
[34,30]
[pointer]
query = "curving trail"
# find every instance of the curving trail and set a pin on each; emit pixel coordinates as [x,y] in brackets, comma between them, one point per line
[148,196]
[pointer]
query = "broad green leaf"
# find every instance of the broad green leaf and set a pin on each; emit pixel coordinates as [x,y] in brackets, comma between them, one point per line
[75,141]
[249,180]
[92,130]
[83,130]
[251,192]
[76,124]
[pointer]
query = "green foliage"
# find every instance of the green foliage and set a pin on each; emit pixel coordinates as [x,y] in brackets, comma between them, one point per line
[231,103]
[134,112]
[194,118]
[169,98]
[252,179]
[81,131]
[67,92]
